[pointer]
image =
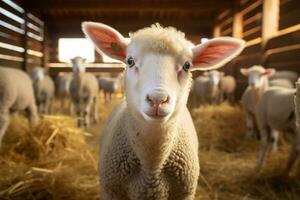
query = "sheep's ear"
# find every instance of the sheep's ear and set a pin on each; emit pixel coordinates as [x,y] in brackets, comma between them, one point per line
[244,71]
[215,53]
[221,74]
[106,39]
[205,73]
[269,72]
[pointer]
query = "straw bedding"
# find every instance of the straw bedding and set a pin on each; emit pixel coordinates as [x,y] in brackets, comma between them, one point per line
[56,160]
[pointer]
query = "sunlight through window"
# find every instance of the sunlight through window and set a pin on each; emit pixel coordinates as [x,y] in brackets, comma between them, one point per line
[69,48]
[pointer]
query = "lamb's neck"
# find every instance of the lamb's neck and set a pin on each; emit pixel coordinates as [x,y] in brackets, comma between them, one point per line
[152,142]
[77,76]
[214,88]
[257,92]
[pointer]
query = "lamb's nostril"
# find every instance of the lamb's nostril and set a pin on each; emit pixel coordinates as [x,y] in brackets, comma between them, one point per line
[156,101]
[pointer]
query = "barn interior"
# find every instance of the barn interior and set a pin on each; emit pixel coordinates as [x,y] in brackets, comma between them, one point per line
[36,33]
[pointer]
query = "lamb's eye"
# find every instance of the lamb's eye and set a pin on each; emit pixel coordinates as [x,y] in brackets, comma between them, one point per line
[130,62]
[186,66]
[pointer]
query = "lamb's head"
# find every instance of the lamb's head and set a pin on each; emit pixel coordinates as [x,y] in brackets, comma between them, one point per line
[38,74]
[159,61]
[214,76]
[257,75]
[78,64]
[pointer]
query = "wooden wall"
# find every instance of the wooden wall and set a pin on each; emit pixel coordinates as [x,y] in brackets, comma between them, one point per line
[21,38]
[271,29]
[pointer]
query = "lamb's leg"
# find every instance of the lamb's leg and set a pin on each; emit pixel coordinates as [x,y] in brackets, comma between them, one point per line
[62,103]
[50,109]
[95,110]
[86,112]
[264,149]
[295,150]
[4,121]
[77,107]
[250,125]
[33,115]
[274,139]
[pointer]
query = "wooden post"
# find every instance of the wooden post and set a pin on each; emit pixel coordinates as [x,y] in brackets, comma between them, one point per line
[25,41]
[44,47]
[237,30]
[217,30]
[270,19]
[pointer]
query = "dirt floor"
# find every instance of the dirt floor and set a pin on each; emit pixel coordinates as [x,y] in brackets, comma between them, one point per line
[56,160]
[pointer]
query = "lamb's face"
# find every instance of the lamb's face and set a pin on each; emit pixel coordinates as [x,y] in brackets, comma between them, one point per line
[156,84]
[38,74]
[157,79]
[257,75]
[78,64]
[214,76]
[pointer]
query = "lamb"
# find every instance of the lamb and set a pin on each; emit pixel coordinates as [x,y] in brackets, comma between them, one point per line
[63,87]
[257,84]
[285,74]
[227,87]
[16,94]
[110,86]
[149,148]
[84,90]
[44,89]
[281,82]
[295,150]
[206,88]
[275,112]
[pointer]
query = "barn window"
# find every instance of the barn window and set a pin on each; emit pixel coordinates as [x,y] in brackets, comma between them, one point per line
[70,47]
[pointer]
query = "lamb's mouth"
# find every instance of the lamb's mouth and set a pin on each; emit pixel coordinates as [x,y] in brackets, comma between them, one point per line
[156,116]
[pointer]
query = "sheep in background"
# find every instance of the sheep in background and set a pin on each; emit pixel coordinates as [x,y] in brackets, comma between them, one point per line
[280,82]
[16,94]
[63,89]
[295,150]
[275,112]
[285,74]
[110,86]
[44,89]
[257,84]
[149,148]
[227,87]
[206,88]
[84,90]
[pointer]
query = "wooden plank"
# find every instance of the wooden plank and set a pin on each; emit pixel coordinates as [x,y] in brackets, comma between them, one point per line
[10,21]
[252,36]
[10,52]
[34,45]
[252,25]
[284,40]
[10,63]
[253,12]
[289,6]
[10,9]
[11,40]
[289,19]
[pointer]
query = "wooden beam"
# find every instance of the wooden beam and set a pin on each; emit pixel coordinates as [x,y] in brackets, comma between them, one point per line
[120,5]
[270,19]
[237,22]
[25,42]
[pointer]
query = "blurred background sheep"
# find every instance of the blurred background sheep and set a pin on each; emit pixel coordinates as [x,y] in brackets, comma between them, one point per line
[43,87]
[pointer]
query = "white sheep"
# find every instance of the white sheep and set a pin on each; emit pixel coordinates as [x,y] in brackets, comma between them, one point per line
[110,86]
[16,94]
[257,84]
[84,90]
[44,89]
[285,74]
[281,82]
[295,150]
[149,148]
[63,87]
[275,112]
[227,87]
[206,88]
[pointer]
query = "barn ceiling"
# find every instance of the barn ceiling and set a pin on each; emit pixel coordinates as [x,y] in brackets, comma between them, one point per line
[63,17]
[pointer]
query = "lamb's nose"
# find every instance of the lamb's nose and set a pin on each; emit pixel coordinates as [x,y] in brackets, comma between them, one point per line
[157,100]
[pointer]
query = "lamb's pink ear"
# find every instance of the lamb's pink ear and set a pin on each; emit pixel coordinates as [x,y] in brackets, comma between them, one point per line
[244,71]
[269,72]
[215,53]
[106,39]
